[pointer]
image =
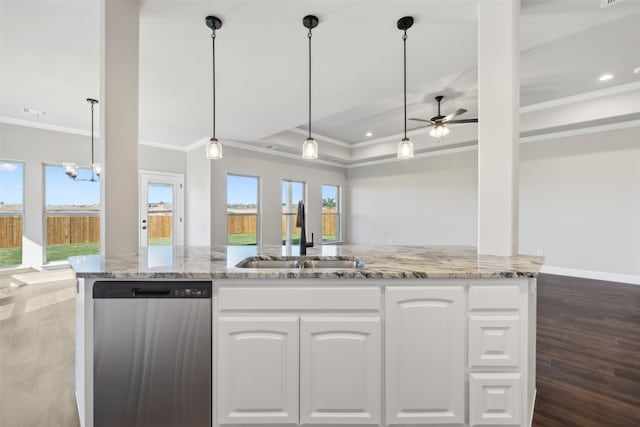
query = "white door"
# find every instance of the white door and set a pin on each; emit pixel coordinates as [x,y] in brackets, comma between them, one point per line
[340,370]
[258,370]
[161,209]
[425,347]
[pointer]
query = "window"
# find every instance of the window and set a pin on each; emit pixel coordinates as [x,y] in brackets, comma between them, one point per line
[292,193]
[242,210]
[11,212]
[72,214]
[330,212]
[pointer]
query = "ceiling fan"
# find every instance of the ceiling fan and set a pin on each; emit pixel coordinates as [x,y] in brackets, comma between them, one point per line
[438,122]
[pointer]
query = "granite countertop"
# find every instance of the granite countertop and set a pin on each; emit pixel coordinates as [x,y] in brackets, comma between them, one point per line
[381,262]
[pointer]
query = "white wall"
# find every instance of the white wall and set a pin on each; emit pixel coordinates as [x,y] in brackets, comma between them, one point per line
[161,160]
[271,170]
[579,201]
[426,201]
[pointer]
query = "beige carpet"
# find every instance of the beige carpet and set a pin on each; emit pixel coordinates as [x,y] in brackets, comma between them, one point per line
[37,351]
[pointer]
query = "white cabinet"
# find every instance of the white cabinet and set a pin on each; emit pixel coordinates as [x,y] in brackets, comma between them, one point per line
[270,364]
[340,370]
[494,340]
[258,370]
[425,354]
[494,399]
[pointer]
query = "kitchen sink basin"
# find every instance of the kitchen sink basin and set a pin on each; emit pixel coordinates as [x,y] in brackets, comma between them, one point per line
[268,263]
[340,262]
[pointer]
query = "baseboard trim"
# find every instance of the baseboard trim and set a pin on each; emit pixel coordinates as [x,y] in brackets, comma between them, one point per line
[589,274]
[533,406]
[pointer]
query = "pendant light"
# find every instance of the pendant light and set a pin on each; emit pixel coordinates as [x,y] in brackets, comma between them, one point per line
[71,169]
[214,147]
[310,146]
[405,147]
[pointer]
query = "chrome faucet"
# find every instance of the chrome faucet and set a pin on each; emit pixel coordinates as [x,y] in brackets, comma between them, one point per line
[300,222]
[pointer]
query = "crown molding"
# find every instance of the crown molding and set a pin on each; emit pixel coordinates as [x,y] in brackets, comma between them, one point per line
[46,126]
[523,140]
[315,135]
[613,90]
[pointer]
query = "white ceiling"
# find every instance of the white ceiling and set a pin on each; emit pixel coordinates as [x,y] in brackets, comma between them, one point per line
[50,53]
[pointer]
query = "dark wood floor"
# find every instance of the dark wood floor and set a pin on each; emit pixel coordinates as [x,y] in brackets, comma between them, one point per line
[588,363]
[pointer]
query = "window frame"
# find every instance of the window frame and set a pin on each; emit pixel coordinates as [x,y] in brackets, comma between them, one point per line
[17,213]
[338,213]
[258,206]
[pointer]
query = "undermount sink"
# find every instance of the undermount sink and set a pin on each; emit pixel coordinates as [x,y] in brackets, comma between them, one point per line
[339,262]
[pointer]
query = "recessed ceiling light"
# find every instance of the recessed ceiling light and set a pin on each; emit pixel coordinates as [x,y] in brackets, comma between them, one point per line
[33,111]
[636,70]
[605,77]
[271,147]
[368,134]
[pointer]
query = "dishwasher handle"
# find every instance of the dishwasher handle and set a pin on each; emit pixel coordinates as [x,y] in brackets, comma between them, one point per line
[146,293]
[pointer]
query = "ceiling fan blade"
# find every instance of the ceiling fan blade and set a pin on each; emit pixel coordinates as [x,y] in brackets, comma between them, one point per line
[463,121]
[422,120]
[454,114]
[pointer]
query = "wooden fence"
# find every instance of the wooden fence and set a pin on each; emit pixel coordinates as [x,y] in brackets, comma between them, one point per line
[246,223]
[10,231]
[69,229]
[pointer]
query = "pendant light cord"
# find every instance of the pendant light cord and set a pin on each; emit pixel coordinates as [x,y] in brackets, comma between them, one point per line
[309,37]
[92,161]
[404,42]
[213,44]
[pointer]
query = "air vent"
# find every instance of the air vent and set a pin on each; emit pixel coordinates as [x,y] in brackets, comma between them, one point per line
[607,3]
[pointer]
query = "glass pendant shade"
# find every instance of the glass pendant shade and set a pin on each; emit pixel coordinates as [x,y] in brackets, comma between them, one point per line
[71,169]
[97,168]
[310,149]
[439,131]
[405,149]
[214,149]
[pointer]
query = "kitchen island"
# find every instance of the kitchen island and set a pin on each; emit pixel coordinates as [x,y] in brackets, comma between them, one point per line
[418,336]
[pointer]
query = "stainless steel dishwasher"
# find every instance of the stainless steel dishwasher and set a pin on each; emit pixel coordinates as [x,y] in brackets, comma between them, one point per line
[152,354]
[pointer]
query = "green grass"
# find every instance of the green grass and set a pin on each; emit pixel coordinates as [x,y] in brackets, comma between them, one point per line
[241,239]
[10,256]
[161,241]
[62,252]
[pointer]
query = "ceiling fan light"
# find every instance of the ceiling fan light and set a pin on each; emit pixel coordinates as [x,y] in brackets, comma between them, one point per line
[439,131]
[71,169]
[214,149]
[405,149]
[310,149]
[97,168]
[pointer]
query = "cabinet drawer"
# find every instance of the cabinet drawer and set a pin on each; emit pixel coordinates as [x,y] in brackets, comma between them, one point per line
[299,298]
[494,297]
[495,399]
[494,340]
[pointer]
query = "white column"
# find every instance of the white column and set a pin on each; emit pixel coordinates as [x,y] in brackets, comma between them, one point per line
[119,125]
[198,198]
[498,127]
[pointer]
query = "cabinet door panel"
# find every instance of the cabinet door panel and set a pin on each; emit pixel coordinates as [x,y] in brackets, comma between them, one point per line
[425,343]
[494,340]
[494,399]
[340,369]
[258,370]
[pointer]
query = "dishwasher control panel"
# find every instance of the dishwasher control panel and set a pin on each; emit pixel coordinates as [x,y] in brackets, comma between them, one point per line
[152,289]
[192,293]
